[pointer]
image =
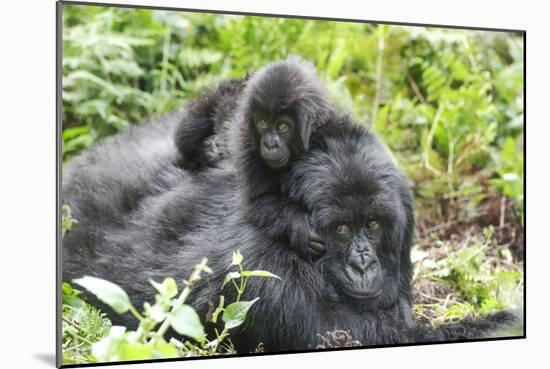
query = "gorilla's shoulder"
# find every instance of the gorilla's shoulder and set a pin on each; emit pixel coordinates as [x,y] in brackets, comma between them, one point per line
[146,140]
[342,137]
[114,175]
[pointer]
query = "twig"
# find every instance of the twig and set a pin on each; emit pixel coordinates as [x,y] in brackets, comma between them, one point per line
[430,140]
[193,278]
[439,227]
[422,315]
[81,339]
[165,59]
[71,323]
[73,348]
[429,297]
[77,336]
[502,211]
[378,86]
[447,299]
[422,225]
[450,161]
[416,90]
[466,241]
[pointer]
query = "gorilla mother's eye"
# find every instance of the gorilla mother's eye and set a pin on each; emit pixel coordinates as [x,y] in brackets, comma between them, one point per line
[261,124]
[374,226]
[343,229]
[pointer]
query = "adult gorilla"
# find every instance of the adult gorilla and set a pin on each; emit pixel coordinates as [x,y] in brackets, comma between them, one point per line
[141,218]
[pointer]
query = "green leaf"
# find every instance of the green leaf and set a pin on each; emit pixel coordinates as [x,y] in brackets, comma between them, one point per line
[155,312]
[237,258]
[136,351]
[235,313]
[259,273]
[218,310]
[67,290]
[76,303]
[67,221]
[163,349]
[106,291]
[74,132]
[185,320]
[108,347]
[230,276]
[168,288]
[207,269]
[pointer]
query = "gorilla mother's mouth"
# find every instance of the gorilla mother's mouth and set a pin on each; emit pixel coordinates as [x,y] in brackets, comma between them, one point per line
[276,163]
[361,294]
[362,284]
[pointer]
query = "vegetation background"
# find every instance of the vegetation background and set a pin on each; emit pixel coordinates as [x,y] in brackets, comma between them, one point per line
[447,102]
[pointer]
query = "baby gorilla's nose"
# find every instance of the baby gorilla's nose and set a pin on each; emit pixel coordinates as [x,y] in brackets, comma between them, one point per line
[271,145]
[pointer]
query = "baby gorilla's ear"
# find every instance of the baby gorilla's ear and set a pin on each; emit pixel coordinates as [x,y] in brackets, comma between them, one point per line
[305,129]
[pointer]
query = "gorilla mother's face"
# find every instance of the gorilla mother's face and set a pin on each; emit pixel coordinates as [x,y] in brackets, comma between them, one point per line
[359,229]
[361,206]
[360,272]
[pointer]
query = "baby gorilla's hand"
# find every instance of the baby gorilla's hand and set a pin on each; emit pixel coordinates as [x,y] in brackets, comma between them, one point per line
[207,154]
[303,238]
[316,244]
[213,152]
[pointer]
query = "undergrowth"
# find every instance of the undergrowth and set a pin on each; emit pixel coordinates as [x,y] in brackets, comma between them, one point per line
[89,337]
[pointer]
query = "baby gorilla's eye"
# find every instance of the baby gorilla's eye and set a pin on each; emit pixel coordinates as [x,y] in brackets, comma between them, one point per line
[374,226]
[343,229]
[282,127]
[261,123]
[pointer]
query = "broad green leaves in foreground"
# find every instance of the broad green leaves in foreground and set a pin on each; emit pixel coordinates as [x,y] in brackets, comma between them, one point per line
[106,291]
[235,313]
[186,321]
[169,310]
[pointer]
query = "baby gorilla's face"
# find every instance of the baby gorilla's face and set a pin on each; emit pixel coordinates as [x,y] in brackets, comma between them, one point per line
[276,135]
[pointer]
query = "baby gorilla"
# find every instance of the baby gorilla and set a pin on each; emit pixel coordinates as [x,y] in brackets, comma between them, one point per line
[262,123]
[284,94]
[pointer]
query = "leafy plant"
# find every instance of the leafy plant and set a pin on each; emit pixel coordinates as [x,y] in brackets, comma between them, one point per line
[168,311]
[510,174]
[483,274]
[67,221]
[82,326]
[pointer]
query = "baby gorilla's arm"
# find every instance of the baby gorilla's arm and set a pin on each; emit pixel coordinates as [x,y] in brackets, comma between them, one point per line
[200,136]
[281,218]
[193,140]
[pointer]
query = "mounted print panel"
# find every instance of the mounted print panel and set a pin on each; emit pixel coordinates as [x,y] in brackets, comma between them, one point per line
[245,184]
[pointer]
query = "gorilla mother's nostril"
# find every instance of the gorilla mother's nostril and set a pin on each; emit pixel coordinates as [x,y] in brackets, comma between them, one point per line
[357,266]
[372,266]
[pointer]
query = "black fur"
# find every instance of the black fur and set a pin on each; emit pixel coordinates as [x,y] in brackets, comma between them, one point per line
[201,133]
[136,224]
[205,133]
[221,124]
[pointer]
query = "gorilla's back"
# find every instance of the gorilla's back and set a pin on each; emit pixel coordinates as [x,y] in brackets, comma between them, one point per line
[105,184]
